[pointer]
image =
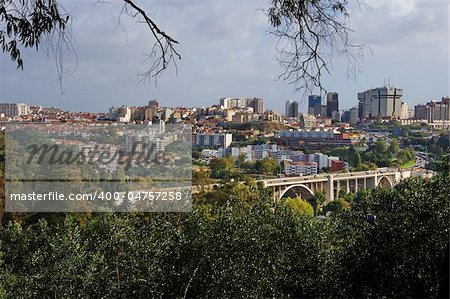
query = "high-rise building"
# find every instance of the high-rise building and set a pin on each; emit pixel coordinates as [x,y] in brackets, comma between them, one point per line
[380,102]
[314,100]
[336,116]
[405,111]
[220,140]
[353,116]
[151,109]
[291,108]
[315,106]
[420,111]
[345,118]
[318,110]
[228,103]
[257,105]
[332,103]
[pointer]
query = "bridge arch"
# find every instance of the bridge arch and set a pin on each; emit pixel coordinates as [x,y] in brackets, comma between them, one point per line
[305,192]
[385,182]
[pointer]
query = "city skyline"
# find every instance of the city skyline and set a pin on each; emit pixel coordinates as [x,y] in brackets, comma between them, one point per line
[236,58]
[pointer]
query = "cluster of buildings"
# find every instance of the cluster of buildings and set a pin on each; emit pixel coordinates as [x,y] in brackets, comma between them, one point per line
[382,103]
[315,106]
[256,104]
[149,113]
[298,163]
[315,139]
[320,113]
[234,119]
[434,113]
[34,113]
[14,109]
[294,162]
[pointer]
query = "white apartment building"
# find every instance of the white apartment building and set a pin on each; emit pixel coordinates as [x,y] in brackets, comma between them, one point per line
[319,158]
[14,109]
[220,140]
[228,103]
[405,111]
[261,151]
[299,168]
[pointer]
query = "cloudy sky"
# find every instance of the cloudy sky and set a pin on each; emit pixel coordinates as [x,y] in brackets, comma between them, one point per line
[227,52]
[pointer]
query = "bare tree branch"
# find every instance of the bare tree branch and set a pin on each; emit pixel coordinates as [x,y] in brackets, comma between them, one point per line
[309,33]
[35,23]
[163,51]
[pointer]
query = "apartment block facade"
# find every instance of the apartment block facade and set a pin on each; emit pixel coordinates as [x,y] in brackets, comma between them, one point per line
[14,109]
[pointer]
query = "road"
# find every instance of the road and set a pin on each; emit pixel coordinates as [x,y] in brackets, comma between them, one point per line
[422,159]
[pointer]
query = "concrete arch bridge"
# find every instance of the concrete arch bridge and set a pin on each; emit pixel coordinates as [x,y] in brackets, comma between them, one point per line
[306,186]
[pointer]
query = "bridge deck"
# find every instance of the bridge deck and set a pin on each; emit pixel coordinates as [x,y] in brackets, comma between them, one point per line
[326,177]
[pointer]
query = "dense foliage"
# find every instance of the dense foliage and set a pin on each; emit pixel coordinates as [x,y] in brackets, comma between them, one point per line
[389,243]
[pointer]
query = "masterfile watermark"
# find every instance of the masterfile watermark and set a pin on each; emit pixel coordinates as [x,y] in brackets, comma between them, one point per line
[48,167]
[52,154]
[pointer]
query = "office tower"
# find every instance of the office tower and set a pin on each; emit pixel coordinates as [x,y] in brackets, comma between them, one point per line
[383,102]
[314,100]
[291,108]
[353,116]
[332,103]
[315,106]
[318,110]
[336,116]
[345,118]
[420,111]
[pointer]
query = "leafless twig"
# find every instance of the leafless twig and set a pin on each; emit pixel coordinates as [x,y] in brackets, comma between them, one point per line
[309,33]
[163,52]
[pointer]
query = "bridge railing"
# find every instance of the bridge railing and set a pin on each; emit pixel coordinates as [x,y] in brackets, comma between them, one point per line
[336,176]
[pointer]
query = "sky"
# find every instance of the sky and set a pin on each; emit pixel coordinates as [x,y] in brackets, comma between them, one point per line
[227,52]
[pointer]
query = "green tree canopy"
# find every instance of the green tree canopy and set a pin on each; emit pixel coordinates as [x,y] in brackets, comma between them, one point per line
[394,146]
[220,167]
[266,165]
[299,206]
